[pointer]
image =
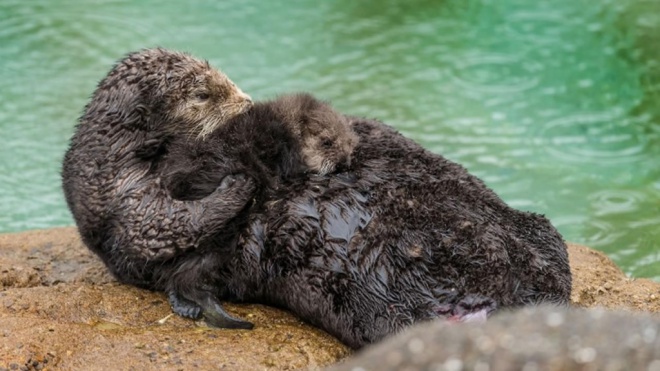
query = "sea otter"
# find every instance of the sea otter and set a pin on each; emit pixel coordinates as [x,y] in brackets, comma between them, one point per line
[402,235]
[122,211]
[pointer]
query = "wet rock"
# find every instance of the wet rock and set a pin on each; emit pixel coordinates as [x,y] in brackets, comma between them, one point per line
[598,282]
[541,338]
[60,308]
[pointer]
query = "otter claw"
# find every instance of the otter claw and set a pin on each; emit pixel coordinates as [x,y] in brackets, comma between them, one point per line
[215,315]
[231,180]
[184,307]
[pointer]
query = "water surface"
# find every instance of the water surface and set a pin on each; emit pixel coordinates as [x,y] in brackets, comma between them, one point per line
[555,104]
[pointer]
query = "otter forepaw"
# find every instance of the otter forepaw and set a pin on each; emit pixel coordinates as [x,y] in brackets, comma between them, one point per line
[184,307]
[232,180]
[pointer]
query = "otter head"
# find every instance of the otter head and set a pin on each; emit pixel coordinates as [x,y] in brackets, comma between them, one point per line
[171,92]
[325,137]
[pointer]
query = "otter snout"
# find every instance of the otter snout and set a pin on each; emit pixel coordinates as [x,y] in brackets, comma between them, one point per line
[241,101]
[236,104]
[244,98]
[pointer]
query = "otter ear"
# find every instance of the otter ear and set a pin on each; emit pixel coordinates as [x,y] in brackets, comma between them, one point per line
[288,112]
[302,118]
[141,117]
[154,147]
[137,117]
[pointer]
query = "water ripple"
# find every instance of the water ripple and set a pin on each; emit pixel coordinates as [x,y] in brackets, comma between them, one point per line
[594,233]
[616,201]
[56,38]
[495,73]
[595,137]
[539,27]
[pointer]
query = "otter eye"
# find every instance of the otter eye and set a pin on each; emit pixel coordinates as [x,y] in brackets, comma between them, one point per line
[326,143]
[202,96]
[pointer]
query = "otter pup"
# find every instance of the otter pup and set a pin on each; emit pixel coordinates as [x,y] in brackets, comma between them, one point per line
[273,141]
[122,211]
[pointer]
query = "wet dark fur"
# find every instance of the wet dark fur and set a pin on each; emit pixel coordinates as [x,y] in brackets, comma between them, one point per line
[266,143]
[401,236]
[122,212]
[274,141]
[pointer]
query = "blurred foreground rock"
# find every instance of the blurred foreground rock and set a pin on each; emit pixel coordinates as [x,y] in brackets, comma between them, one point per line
[59,308]
[534,338]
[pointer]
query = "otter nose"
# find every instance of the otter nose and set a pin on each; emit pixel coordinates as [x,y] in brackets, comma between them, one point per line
[246,98]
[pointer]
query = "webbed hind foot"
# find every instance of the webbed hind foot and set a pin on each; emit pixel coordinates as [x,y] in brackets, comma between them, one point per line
[184,307]
[215,315]
[208,307]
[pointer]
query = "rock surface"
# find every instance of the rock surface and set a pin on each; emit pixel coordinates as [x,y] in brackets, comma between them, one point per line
[598,282]
[534,338]
[60,308]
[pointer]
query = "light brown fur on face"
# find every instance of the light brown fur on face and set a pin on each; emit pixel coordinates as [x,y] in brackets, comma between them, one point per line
[325,136]
[177,93]
[210,100]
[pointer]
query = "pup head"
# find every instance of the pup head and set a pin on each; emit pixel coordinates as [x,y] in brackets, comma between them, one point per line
[326,139]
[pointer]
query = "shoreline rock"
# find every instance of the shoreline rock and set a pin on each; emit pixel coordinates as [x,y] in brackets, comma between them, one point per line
[59,307]
[598,282]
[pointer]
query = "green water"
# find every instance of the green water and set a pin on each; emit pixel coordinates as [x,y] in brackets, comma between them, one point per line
[555,104]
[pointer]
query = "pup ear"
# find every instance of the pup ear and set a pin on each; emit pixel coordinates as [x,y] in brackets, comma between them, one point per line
[287,111]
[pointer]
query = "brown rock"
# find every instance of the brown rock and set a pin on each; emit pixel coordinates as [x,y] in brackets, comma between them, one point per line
[59,307]
[598,282]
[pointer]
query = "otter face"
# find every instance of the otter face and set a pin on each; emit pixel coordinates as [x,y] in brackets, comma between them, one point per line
[206,101]
[170,92]
[327,143]
[326,139]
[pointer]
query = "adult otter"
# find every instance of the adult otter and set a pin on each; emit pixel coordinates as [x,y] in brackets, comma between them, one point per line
[401,236]
[122,212]
[535,338]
